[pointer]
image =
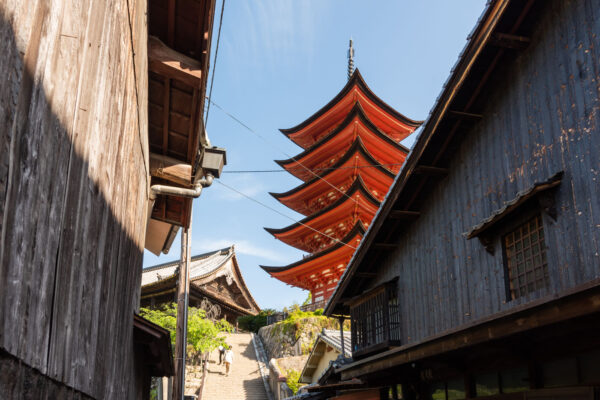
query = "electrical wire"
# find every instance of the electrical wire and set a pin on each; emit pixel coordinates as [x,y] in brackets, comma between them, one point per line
[212,79]
[250,171]
[280,150]
[284,215]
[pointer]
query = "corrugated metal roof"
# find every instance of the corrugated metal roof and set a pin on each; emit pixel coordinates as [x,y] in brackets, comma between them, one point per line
[200,266]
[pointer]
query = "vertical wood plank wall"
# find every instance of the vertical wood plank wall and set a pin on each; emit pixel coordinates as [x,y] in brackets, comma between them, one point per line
[542,116]
[73,188]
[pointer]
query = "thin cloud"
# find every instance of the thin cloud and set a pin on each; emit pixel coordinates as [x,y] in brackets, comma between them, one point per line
[241,246]
[279,28]
[247,185]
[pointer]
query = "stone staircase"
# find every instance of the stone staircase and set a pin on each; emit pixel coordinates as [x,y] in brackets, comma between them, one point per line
[244,380]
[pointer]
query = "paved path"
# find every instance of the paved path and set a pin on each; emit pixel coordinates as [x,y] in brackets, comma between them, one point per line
[243,382]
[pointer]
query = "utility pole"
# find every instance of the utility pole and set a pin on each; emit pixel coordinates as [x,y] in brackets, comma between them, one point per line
[183,289]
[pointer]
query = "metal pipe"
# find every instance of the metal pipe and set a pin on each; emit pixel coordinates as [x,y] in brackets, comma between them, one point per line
[182,192]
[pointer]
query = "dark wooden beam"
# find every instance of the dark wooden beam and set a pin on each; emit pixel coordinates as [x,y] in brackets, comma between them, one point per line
[171,64]
[431,171]
[508,41]
[171,23]
[170,169]
[166,113]
[384,246]
[462,115]
[403,214]
[366,274]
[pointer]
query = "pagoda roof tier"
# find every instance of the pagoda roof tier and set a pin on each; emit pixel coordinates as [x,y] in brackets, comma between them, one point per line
[318,193]
[310,272]
[394,124]
[327,151]
[334,221]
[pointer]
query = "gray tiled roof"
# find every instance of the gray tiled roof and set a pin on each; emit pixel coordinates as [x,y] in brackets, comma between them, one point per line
[333,338]
[200,266]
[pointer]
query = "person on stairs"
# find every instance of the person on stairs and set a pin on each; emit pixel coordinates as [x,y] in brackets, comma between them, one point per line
[221,354]
[228,360]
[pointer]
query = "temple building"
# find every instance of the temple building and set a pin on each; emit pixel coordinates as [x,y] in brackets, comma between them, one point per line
[351,154]
[216,286]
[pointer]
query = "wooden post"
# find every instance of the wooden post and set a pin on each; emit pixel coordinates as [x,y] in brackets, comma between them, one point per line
[183,288]
[341,319]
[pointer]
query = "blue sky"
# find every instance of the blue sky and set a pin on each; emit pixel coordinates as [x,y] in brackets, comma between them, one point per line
[279,62]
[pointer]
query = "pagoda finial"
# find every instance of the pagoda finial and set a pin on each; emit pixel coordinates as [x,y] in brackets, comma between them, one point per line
[350,60]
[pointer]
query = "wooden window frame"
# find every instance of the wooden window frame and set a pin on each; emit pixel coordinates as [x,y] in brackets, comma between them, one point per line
[372,332]
[523,219]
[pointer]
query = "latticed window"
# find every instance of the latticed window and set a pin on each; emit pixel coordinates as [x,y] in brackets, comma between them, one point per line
[375,320]
[526,262]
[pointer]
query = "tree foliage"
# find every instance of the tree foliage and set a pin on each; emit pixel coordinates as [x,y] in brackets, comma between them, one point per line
[202,334]
[253,323]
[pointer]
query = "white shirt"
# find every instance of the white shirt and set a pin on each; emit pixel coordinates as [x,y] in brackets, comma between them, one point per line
[228,356]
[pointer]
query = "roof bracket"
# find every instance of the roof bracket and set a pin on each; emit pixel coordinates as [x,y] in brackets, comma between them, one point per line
[404,214]
[431,171]
[463,115]
[508,41]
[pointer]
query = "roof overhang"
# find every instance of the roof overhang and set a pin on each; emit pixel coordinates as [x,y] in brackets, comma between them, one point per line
[153,345]
[179,37]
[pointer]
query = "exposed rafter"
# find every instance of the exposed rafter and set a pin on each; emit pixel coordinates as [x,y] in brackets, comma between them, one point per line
[171,64]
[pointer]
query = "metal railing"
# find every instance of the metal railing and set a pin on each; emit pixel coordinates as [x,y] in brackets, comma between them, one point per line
[314,306]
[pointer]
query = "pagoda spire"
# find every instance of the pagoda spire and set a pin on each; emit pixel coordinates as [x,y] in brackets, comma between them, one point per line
[350,60]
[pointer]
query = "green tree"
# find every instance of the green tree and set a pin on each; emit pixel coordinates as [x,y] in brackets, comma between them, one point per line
[203,334]
[253,323]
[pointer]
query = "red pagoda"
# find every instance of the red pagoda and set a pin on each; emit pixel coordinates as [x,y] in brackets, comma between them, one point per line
[352,153]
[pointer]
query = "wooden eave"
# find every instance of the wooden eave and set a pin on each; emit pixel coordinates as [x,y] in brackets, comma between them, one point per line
[178,61]
[361,205]
[155,343]
[316,262]
[392,122]
[245,291]
[440,133]
[378,144]
[353,164]
[512,205]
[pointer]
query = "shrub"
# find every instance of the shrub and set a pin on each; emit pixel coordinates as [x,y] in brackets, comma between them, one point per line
[202,334]
[292,380]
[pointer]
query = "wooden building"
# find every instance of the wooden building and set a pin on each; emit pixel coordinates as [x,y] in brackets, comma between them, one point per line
[78,136]
[481,277]
[326,350]
[351,156]
[216,286]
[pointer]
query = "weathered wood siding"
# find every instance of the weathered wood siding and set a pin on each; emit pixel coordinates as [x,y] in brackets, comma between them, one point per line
[73,188]
[541,117]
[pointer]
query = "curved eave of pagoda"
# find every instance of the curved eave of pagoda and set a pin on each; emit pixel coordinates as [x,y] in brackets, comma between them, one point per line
[309,263]
[356,111]
[295,195]
[294,233]
[355,81]
[299,164]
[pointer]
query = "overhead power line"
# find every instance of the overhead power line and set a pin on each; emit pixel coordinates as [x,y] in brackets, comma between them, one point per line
[212,79]
[280,150]
[284,215]
[316,169]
